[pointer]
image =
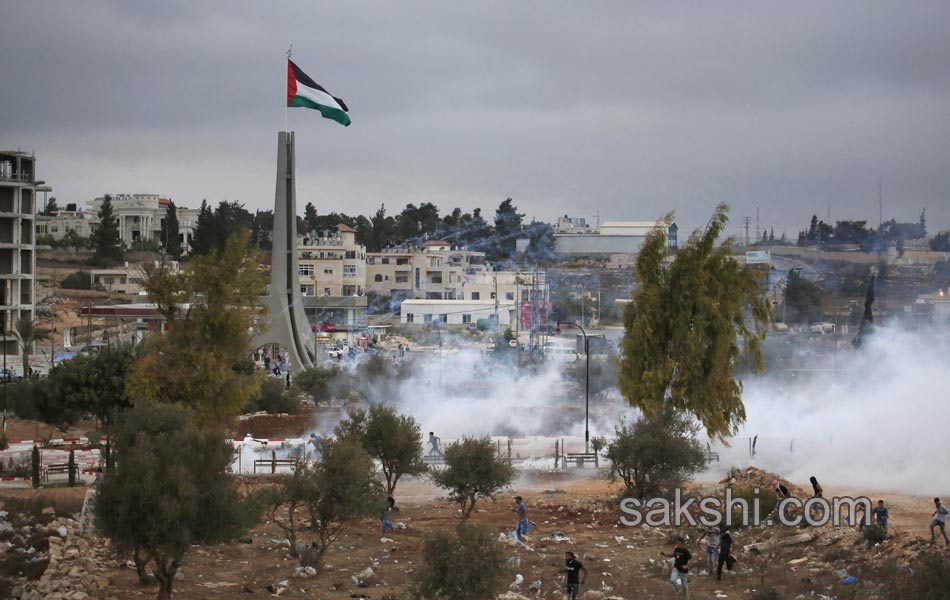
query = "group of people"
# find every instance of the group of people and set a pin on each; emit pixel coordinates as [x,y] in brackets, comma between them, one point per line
[718,554]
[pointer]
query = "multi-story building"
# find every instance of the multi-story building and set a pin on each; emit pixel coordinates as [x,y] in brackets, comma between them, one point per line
[436,270]
[18,190]
[141,217]
[331,267]
[331,263]
[64,221]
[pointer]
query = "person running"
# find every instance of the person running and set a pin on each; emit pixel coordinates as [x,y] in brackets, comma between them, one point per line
[384,516]
[679,574]
[880,514]
[576,575]
[725,554]
[434,443]
[713,539]
[816,487]
[940,521]
[781,493]
[524,525]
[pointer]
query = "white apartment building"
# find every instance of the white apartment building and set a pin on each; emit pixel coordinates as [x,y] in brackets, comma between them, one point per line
[141,216]
[456,312]
[331,263]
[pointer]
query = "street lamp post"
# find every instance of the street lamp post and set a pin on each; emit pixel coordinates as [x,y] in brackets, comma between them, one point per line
[586,384]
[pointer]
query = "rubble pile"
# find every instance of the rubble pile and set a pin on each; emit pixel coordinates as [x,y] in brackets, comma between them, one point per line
[77,564]
[753,477]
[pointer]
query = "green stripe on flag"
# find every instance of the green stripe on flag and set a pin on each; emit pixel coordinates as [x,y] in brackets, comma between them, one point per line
[334,114]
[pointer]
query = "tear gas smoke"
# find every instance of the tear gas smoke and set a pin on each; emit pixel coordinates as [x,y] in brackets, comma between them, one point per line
[878,423]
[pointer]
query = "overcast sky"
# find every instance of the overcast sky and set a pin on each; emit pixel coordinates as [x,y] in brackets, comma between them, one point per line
[626,109]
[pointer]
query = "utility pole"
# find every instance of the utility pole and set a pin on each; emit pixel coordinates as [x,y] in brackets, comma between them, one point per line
[746,222]
[758,234]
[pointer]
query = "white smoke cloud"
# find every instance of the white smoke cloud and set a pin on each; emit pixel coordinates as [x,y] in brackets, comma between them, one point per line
[879,422]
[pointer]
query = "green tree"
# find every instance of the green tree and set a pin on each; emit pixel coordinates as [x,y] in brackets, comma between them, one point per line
[344,490]
[689,324]
[286,501]
[95,383]
[310,217]
[473,470]
[202,361]
[105,239]
[77,280]
[35,466]
[273,398]
[654,454]
[28,332]
[51,209]
[72,240]
[71,468]
[40,400]
[315,382]
[801,295]
[941,242]
[203,237]
[171,234]
[390,438]
[159,500]
[471,565]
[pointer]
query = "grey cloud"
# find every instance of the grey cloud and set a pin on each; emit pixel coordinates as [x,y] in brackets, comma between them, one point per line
[626,109]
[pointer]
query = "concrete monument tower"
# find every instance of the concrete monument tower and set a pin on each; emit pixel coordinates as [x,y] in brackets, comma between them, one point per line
[288,323]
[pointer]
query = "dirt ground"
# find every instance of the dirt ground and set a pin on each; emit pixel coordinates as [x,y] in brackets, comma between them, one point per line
[573,511]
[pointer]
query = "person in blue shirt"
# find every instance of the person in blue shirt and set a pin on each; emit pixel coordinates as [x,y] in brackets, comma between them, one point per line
[880,515]
[524,525]
[940,521]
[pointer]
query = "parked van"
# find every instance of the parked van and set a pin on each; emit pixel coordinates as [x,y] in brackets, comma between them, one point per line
[561,354]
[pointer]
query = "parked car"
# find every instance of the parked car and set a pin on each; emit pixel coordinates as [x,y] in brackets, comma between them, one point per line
[561,354]
[334,352]
[9,376]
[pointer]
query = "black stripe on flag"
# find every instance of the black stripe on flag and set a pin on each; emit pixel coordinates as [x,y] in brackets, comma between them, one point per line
[303,78]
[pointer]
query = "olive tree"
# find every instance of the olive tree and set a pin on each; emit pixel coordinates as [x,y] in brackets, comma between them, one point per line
[655,453]
[390,438]
[161,499]
[473,470]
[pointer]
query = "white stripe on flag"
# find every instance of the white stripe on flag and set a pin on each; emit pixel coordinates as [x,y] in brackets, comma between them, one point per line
[321,98]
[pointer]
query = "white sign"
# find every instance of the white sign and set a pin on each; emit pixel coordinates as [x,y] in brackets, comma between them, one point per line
[758,257]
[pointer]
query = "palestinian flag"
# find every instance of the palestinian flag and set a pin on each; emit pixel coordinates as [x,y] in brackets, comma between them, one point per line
[303,91]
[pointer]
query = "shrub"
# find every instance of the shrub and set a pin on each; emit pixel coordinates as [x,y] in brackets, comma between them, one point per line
[766,498]
[469,565]
[929,580]
[273,398]
[655,453]
[765,593]
[71,467]
[874,534]
[35,466]
[473,470]
[77,280]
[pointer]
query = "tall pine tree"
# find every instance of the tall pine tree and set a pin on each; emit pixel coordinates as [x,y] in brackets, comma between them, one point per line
[105,239]
[203,237]
[171,236]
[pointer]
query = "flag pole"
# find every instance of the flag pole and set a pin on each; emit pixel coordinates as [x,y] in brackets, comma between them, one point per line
[289,52]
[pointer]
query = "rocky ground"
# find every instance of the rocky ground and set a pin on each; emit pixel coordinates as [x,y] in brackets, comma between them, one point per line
[47,554]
